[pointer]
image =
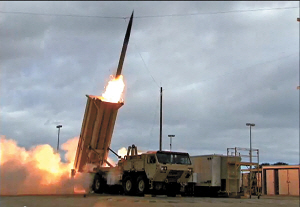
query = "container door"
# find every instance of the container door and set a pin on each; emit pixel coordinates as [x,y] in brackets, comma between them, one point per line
[293,181]
[283,182]
[270,182]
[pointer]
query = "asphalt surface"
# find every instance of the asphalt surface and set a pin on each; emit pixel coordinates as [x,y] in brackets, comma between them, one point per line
[95,200]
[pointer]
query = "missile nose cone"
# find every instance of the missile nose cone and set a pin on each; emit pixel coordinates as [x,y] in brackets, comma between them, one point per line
[124,48]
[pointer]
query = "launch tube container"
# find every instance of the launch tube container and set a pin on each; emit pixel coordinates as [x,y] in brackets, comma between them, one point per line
[96,132]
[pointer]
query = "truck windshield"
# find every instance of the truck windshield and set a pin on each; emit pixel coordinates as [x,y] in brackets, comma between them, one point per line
[173,158]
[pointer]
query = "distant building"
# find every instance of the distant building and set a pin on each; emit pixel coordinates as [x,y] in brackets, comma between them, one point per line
[281,180]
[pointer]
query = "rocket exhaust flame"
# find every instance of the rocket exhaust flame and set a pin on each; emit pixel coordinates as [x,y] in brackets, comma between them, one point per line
[114,90]
[38,170]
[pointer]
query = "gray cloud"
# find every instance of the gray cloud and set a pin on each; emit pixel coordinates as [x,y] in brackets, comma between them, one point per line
[218,71]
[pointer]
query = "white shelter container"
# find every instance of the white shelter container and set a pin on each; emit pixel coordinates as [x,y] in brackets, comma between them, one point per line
[216,174]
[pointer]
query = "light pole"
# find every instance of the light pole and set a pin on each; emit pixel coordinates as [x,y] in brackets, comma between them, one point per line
[58,126]
[250,174]
[171,136]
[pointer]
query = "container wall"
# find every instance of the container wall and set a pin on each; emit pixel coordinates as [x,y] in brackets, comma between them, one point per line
[208,170]
[231,173]
[245,179]
[216,171]
[230,170]
[202,167]
[96,132]
[259,178]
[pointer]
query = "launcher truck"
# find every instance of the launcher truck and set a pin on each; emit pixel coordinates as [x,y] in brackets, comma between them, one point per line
[135,174]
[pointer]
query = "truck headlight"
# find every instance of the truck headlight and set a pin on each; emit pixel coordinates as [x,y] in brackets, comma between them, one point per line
[163,169]
[190,170]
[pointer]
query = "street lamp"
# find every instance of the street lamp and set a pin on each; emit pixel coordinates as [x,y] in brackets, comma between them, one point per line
[250,183]
[58,126]
[171,136]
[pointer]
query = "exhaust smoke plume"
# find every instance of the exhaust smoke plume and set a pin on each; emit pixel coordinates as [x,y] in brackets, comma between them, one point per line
[123,151]
[39,170]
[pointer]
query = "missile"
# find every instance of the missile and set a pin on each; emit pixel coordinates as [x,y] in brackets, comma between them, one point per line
[124,48]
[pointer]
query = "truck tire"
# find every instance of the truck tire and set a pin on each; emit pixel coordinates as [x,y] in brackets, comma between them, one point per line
[128,185]
[142,185]
[98,184]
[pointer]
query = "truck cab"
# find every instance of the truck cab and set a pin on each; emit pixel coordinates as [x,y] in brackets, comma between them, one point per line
[170,166]
[156,171]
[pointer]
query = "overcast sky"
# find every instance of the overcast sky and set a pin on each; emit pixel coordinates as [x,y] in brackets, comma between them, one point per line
[221,65]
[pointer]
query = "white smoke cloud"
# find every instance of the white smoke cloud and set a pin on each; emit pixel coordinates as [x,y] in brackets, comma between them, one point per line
[38,170]
[123,151]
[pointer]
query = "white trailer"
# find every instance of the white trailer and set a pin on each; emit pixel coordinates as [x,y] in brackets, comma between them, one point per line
[216,175]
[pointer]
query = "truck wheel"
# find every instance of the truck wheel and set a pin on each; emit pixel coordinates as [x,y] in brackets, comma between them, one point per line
[142,185]
[128,185]
[98,184]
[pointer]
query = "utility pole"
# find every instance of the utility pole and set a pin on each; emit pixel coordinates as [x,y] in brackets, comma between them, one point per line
[298,20]
[160,128]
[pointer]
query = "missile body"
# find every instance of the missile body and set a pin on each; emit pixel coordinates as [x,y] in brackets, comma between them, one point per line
[124,48]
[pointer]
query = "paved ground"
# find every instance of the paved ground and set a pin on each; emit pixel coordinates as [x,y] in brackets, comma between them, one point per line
[95,200]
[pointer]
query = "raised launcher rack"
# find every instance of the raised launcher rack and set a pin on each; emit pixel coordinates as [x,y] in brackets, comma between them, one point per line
[96,133]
